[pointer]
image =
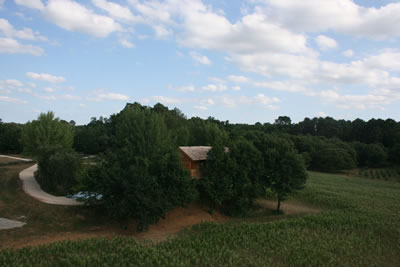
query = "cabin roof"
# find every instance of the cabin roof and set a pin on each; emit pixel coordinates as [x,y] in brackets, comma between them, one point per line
[197,153]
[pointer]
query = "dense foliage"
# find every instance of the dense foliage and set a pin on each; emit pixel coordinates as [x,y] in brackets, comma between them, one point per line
[47,131]
[50,141]
[140,176]
[59,171]
[326,144]
[352,230]
[10,138]
[284,169]
[231,176]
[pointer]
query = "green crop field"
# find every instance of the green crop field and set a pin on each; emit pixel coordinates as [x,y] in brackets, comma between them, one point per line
[359,225]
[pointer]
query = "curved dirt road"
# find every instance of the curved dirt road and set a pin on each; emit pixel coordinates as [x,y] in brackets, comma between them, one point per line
[32,188]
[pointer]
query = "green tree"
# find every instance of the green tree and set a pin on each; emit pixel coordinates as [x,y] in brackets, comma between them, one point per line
[284,169]
[49,139]
[141,176]
[10,137]
[231,179]
[47,131]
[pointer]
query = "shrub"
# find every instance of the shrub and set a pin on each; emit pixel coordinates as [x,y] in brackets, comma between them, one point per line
[59,172]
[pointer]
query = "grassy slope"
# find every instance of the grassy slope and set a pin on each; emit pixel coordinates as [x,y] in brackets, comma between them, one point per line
[360,226]
[42,219]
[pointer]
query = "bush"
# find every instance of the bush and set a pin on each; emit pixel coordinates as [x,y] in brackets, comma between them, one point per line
[59,172]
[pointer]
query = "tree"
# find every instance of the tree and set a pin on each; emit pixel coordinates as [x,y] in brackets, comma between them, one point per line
[47,131]
[284,170]
[141,176]
[231,178]
[49,140]
[10,137]
[370,155]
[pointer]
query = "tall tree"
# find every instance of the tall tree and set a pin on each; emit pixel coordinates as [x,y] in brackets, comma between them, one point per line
[141,176]
[285,171]
[47,131]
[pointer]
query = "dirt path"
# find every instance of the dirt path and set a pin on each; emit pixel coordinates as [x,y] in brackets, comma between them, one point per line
[9,224]
[174,222]
[32,188]
[287,207]
[10,157]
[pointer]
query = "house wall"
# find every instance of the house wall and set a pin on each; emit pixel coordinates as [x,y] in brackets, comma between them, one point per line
[192,166]
[186,161]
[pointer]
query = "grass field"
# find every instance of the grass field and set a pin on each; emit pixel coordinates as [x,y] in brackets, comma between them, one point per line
[359,225]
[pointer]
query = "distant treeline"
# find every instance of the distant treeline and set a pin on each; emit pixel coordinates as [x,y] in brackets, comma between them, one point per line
[325,143]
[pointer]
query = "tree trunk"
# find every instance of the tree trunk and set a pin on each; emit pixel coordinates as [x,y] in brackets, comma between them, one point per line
[279,204]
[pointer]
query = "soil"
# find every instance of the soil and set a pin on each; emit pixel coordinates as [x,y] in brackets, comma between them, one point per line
[169,227]
[287,208]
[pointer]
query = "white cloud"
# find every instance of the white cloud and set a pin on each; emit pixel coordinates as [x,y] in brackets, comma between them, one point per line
[187,88]
[200,58]
[102,95]
[272,64]
[201,107]
[161,31]
[49,89]
[325,42]
[35,4]
[215,87]
[348,53]
[235,88]
[260,99]
[12,100]
[343,16]
[27,33]
[386,60]
[167,100]
[72,16]
[322,114]
[45,77]
[12,46]
[253,33]
[11,83]
[354,101]
[111,96]
[69,97]
[25,90]
[117,11]
[126,43]
[284,86]
[238,78]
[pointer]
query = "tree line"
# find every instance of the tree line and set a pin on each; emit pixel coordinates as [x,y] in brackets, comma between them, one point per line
[139,175]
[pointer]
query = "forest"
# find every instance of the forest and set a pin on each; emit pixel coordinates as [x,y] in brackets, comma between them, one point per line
[137,173]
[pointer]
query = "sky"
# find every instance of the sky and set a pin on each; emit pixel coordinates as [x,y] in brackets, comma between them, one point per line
[243,61]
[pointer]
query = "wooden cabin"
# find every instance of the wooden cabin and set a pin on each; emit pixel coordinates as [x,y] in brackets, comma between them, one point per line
[192,156]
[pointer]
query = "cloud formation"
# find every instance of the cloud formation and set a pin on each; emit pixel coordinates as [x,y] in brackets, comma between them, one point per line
[45,77]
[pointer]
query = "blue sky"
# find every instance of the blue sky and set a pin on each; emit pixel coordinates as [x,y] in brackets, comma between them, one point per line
[242,61]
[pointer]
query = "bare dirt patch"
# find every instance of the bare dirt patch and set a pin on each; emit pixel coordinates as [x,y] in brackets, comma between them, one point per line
[288,208]
[169,227]
[179,219]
